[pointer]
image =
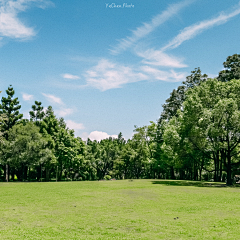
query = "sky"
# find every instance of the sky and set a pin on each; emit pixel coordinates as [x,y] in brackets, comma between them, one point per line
[106,67]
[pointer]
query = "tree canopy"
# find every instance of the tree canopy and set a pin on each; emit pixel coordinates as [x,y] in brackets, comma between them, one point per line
[196,137]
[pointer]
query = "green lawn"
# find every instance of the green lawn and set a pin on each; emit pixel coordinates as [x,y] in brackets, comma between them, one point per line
[138,209]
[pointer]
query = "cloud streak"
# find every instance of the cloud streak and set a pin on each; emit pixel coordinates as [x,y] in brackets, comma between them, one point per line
[70,76]
[107,75]
[167,76]
[10,24]
[195,29]
[63,112]
[159,58]
[53,99]
[27,97]
[73,125]
[147,28]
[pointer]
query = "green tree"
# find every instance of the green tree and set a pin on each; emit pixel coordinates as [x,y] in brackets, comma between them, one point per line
[232,69]
[49,127]
[69,152]
[210,122]
[177,97]
[25,149]
[10,108]
[37,113]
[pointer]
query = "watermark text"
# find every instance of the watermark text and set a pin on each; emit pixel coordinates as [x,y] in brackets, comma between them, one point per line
[114,5]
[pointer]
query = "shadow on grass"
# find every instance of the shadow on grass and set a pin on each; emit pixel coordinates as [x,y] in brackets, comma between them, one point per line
[191,183]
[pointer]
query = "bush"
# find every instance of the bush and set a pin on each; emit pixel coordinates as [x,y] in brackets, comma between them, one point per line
[107,177]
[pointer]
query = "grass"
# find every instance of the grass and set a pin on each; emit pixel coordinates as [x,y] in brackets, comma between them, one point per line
[138,209]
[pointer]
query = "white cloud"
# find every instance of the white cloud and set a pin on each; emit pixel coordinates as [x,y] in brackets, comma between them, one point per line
[98,135]
[168,76]
[10,24]
[26,115]
[73,125]
[27,97]
[64,112]
[195,29]
[107,75]
[147,28]
[84,136]
[158,58]
[53,99]
[70,76]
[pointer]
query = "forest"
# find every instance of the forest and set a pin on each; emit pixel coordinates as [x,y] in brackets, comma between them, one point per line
[197,137]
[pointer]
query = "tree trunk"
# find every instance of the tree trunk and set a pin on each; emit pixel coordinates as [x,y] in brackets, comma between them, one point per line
[229,170]
[7,176]
[172,172]
[216,166]
[47,174]
[220,171]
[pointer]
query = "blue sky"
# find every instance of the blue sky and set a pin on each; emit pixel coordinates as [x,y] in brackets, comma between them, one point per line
[107,66]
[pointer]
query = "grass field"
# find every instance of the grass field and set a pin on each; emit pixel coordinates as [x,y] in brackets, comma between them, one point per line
[138,209]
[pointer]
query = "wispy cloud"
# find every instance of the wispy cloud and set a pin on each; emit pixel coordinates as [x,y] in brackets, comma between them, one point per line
[73,125]
[53,99]
[70,76]
[107,75]
[10,24]
[168,76]
[149,27]
[27,97]
[63,112]
[195,29]
[159,58]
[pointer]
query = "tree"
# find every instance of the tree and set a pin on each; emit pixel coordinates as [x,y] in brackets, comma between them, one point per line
[183,159]
[49,127]
[37,112]
[232,69]
[25,149]
[195,79]
[69,152]
[10,108]
[210,122]
[177,97]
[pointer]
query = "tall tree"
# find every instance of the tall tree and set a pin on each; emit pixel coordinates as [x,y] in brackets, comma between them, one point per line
[210,122]
[49,127]
[232,69]
[25,149]
[177,97]
[10,108]
[37,112]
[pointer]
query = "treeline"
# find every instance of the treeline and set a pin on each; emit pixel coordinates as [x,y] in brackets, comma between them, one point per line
[197,137]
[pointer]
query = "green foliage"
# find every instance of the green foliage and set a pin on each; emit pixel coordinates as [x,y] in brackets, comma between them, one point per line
[209,124]
[177,97]
[232,69]
[107,177]
[10,108]
[26,147]
[196,137]
[37,112]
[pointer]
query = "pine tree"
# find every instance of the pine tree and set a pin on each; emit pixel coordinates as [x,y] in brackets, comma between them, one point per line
[37,112]
[10,108]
